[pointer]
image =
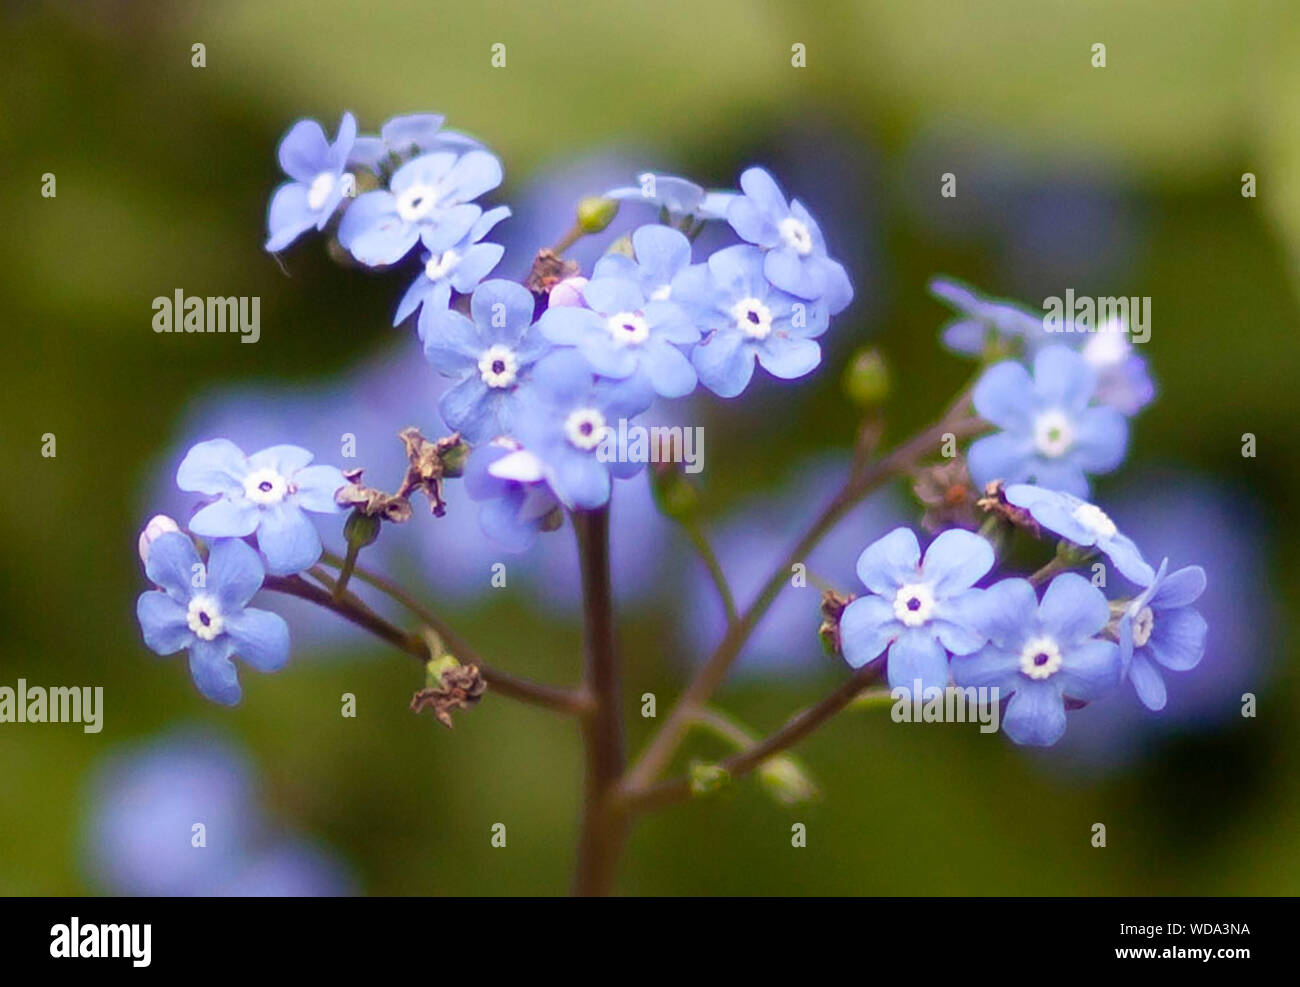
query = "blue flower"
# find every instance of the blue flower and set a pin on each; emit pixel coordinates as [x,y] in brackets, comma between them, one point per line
[316,186]
[511,511]
[1123,380]
[203,609]
[428,199]
[661,253]
[623,335]
[676,196]
[461,267]
[919,609]
[1042,653]
[566,423]
[265,493]
[1050,433]
[1084,524]
[796,260]
[1161,628]
[487,355]
[982,319]
[406,137]
[745,318]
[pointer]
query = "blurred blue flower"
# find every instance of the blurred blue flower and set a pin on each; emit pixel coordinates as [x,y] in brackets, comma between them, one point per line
[1084,524]
[511,511]
[676,196]
[487,356]
[1041,653]
[624,335]
[406,137]
[203,609]
[1123,380]
[1050,432]
[564,420]
[460,267]
[745,318]
[316,187]
[795,258]
[981,319]
[918,609]
[178,815]
[429,199]
[1160,627]
[267,493]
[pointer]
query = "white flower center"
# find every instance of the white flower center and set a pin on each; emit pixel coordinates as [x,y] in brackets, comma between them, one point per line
[1143,624]
[1095,520]
[1052,434]
[321,187]
[440,265]
[585,427]
[204,618]
[1040,658]
[417,202]
[913,604]
[795,234]
[662,293]
[628,328]
[265,486]
[498,366]
[753,318]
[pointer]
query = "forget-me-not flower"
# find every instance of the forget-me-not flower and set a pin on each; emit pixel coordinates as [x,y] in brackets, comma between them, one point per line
[795,260]
[660,253]
[982,319]
[430,199]
[267,493]
[1041,653]
[1123,380]
[316,187]
[623,335]
[565,425]
[1160,627]
[511,512]
[487,355]
[408,136]
[919,609]
[745,319]
[1050,432]
[1084,524]
[676,196]
[203,609]
[460,267]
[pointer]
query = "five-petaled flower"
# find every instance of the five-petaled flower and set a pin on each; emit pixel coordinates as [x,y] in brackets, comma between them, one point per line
[744,318]
[1041,653]
[983,321]
[204,609]
[1160,627]
[460,267]
[267,493]
[919,609]
[317,185]
[1051,433]
[488,355]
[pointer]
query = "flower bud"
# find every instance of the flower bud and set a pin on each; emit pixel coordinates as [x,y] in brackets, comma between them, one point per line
[866,379]
[708,778]
[786,781]
[568,293]
[159,525]
[596,213]
[674,495]
[360,529]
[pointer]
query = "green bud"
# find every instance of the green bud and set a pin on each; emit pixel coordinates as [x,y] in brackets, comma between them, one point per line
[596,213]
[786,781]
[360,529]
[674,495]
[866,379]
[453,459]
[434,669]
[707,778]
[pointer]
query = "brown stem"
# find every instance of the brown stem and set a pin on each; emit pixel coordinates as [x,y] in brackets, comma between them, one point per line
[353,609]
[738,765]
[863,479]
[604,824]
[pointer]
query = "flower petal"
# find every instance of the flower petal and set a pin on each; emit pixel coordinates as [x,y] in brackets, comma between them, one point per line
[1035,715]
[890,561]
[867,626]
[259,637]
[288,540]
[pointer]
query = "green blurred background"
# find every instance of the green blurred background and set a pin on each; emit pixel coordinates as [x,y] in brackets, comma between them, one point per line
[164,171]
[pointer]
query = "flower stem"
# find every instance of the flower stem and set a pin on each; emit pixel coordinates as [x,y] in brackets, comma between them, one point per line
[604,824]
